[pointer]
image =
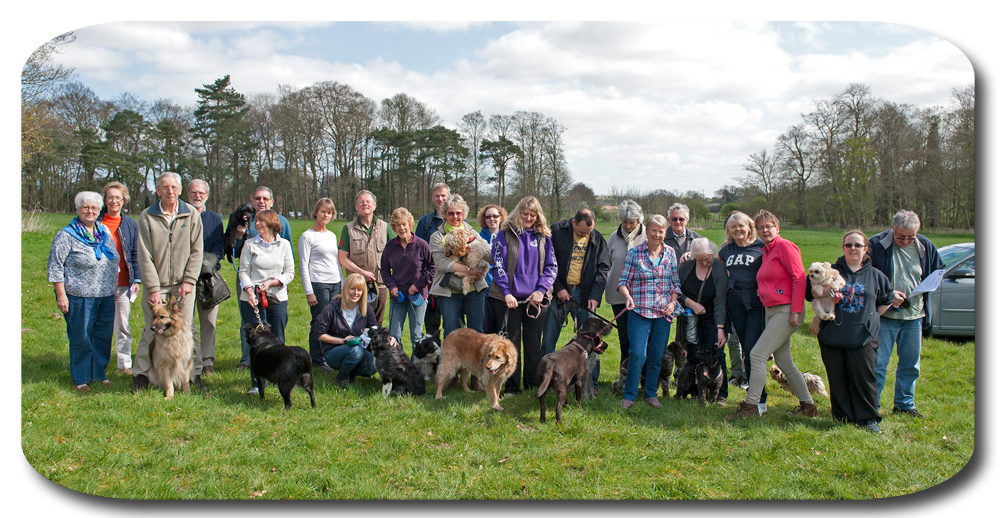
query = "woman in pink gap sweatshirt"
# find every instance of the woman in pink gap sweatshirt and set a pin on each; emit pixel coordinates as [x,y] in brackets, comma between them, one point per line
[781,284]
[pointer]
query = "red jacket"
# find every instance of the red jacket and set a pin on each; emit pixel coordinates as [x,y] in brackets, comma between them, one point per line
[781,278]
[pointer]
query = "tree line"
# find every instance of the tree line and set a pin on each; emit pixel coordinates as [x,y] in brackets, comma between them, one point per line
[324,140]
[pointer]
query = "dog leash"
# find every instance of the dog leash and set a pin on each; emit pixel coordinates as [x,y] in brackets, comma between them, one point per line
[506,313]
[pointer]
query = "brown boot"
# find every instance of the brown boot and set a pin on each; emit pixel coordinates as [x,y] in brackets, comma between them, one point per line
[744,410]
[806,409]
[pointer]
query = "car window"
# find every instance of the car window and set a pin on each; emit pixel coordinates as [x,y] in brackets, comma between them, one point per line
[969,263]
[950,254]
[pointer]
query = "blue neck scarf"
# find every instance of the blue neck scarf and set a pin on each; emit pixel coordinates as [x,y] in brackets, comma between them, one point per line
[98,241]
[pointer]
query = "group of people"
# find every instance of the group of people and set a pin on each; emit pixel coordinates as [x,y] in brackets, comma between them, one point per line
[750,293]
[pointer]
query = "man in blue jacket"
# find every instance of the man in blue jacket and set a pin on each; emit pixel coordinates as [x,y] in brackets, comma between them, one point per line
[428,225]
[906,258]
[204,331]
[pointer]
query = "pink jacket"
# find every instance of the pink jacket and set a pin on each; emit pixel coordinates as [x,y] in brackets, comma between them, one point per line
[781,278]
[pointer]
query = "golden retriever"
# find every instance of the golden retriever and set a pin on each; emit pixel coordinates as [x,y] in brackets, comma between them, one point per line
[465,352]
[172,350]
[826,285]
[469,248]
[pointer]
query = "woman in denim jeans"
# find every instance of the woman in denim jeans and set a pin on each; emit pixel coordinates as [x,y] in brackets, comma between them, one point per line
[339,327]
[319,269]
[83,270]
[453,304]
[407,270]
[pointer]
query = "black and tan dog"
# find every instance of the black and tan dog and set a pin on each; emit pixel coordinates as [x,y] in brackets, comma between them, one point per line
[557,370]
[399,375]
[239,217]
[674,356]
[285,366]
[701,378]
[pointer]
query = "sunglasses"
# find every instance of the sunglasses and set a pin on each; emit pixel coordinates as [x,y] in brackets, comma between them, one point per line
[455,214]
[678,220]
[854,245]
[905,238]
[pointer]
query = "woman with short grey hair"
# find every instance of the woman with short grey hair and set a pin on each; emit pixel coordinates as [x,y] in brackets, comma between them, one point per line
[630,233]
[703,291]
[83,270]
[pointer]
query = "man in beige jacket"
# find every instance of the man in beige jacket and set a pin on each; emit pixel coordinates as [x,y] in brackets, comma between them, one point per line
[170,255]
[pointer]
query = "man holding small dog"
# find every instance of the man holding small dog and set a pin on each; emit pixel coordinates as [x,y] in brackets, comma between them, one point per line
[584,262]
[906,258]
[171,245]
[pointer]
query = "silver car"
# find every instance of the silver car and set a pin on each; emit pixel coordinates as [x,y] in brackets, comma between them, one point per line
[953,304]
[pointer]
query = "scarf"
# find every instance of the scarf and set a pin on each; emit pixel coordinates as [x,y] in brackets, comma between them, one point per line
[446,228]
[98,241]
[630,238]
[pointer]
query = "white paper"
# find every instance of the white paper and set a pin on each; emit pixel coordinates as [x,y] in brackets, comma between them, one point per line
[929,284]
[133,292]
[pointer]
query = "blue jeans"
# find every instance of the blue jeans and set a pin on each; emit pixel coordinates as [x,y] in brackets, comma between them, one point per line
[647,337]
[905,335]
[350,361]
[323,292]
[398,311]
[452,308]
[555,319]
[90,323]
[275,316]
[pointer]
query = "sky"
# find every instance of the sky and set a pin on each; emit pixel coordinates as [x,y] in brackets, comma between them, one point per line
[662,105]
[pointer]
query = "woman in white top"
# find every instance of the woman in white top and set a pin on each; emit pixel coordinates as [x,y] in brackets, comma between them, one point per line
[319,269]
[266,264]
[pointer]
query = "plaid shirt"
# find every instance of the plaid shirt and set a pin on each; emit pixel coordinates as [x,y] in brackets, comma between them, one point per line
[651,286]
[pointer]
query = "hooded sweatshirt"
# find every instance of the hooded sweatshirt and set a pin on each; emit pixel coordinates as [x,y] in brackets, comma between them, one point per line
[857,319]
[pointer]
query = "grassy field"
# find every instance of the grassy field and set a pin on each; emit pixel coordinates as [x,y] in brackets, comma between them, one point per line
[357,445]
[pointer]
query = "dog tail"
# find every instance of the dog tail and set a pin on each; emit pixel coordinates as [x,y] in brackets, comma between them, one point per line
[814,325]
[543,384]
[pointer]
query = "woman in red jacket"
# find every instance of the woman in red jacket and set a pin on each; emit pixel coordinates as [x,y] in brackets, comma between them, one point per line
[781,284]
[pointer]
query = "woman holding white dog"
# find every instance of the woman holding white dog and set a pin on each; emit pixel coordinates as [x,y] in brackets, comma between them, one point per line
[266,268]
[849,343]
[453,303]
[781,285]
[339,327]
[650,286]
[83,270]
[407,270]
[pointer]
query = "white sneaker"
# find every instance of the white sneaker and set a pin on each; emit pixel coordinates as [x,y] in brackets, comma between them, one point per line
[761,408]
[253,391]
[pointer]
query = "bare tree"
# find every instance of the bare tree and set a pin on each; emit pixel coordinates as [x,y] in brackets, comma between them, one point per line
[797,158]
[764,176]
[473,129]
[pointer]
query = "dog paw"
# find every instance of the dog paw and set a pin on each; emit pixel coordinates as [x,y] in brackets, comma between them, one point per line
[498,408]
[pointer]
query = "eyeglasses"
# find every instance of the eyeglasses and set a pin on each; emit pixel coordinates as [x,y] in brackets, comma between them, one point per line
[115,198]
[678,220]
[261,198]
[854,245]
[89,208]
[764,228]
[455,214]
[197,193]
[905,238]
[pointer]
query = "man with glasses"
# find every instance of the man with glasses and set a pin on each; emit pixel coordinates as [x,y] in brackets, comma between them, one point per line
[204,331]
[170,253]
[679,237]
[263,199]
[906,258]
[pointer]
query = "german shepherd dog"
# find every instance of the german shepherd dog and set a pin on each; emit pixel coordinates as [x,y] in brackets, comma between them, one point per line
[568,366]
[285,366]
[172,350]
[239,217]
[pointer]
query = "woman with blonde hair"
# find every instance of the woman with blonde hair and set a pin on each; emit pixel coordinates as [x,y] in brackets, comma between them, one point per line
[339,327]
[319,269]
[741,254]
[407,270]
[524,269]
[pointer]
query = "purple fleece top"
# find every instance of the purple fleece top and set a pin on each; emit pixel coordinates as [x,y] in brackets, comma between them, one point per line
[526,278]
[402,267]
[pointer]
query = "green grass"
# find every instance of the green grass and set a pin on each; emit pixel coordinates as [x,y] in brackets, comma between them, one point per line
[357,445]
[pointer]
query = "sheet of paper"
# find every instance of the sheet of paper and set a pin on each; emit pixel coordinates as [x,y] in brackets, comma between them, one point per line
[133,292]
[929,284]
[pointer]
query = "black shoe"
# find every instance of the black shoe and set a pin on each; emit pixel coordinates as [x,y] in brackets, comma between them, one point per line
[139,382]
[513,391]
[341,382]
[198,384]
[912,412]
[872,426]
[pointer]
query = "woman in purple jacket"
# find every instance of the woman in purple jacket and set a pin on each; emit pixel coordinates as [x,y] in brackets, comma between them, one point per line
[407,269]
[524,268]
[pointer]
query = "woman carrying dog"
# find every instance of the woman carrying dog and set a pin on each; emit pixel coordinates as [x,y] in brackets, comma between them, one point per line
[446,288]
[849,343]
[703,291]
[630,234]
[524,269]
[490,218]
[781,284]
[650,286]
[319,269]
[338,328]
[266,268]
[125,232]
[83,270]
[741,255]
[407,270]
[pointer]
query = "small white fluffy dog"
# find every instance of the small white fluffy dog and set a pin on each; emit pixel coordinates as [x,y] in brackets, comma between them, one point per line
[469,248]
[826,285]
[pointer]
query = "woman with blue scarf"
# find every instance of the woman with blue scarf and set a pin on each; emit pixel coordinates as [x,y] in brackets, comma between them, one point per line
[83,269]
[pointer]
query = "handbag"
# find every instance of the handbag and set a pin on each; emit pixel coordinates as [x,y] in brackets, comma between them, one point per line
[212,290]
[688,321]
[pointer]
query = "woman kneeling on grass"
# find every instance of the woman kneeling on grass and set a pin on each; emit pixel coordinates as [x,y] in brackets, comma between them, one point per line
[338,329]
[849,343]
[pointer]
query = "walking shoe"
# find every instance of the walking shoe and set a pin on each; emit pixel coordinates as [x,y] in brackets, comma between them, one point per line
[208,369]
[627,403]
[806,409]
[341,382]
[323,366]
[242,367]
[198,384]
[912,412]
[253,391]
[872,426]
[653,402]
[744,384]
[745,410]
[761,408]
[734,381]
[139,382]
